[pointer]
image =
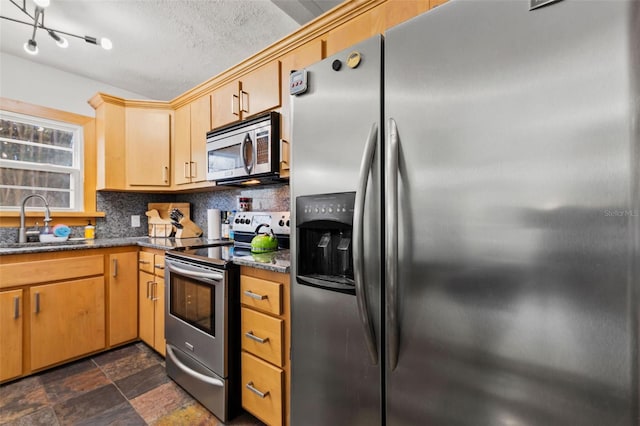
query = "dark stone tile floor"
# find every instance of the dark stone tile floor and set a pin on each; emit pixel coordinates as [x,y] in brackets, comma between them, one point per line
[125,386]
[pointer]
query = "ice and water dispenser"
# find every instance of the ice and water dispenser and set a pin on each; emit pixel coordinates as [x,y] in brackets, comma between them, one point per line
[324,224]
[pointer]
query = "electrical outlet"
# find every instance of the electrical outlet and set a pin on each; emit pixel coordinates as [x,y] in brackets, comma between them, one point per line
[135,221]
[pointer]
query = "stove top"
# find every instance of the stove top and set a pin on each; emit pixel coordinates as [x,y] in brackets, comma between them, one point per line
[219,254]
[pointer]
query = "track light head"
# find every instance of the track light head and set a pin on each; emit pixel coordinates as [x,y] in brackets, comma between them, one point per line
[31,47]
[60,41]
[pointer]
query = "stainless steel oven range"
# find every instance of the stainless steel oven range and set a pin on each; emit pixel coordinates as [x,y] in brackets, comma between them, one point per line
[202,326]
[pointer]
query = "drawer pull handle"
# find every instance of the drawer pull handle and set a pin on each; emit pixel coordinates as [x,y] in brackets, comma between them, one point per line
[143,262]
[256,391]
[252,336]
[158,266]
[255,296]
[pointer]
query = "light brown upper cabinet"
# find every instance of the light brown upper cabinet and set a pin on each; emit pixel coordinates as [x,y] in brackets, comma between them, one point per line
[133,141]
[253,93]
[110,143]
[192,122]
[148,136]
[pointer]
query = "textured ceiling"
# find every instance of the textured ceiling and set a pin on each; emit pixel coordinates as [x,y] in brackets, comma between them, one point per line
[161,48]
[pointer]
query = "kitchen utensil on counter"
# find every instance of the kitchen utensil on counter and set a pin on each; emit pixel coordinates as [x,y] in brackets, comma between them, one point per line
[264,242]
[158,227]
[185,227]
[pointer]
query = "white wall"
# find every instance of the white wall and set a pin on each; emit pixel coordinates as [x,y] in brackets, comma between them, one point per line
[37,84]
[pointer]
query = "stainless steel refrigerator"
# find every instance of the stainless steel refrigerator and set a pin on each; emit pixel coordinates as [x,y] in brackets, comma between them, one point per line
[466,193]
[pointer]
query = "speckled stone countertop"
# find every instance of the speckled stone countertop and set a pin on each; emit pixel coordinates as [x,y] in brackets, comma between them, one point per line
[157,243]
[275,261]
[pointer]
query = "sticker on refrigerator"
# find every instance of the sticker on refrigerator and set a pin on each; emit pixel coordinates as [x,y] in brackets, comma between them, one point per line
[298,82]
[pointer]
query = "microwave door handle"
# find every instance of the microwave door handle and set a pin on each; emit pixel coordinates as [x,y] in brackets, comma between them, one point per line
[247,167]
[195,274]
[358,243]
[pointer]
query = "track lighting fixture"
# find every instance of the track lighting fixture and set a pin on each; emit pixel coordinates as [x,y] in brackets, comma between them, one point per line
[31,46]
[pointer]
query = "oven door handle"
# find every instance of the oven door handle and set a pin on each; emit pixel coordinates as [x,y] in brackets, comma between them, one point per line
[195,274]
[199,376]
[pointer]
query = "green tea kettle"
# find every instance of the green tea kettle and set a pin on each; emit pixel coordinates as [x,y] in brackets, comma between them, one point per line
[264,242]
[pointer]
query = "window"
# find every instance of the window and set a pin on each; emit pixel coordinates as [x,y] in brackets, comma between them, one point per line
[40,156]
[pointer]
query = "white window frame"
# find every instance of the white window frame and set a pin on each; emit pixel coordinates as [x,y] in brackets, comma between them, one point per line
[76,171]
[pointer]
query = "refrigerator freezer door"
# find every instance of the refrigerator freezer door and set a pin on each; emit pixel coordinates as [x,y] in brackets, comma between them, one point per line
[334,381]
[518,167]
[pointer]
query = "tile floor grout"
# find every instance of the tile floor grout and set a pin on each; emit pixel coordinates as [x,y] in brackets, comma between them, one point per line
[82,392]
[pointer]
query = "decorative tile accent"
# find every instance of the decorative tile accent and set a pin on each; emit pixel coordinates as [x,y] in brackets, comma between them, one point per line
[134,361]
[142,381]
[122,414]
[88,405]
[65,371]
[192,414]
[64,388]
[43,417]
[21,398]
[160,402]
[120,206]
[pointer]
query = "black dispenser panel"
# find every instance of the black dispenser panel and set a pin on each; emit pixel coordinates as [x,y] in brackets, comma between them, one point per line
[324,224]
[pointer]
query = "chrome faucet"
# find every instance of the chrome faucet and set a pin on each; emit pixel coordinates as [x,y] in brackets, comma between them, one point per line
[22,233]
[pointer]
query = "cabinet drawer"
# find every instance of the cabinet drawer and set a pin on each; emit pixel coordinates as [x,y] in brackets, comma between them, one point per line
[262,335]
[261,294]
[14,274]
[145,262]
[158,265]
[264,378]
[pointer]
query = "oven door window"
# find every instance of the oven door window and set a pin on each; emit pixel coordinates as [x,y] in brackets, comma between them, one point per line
[193,302]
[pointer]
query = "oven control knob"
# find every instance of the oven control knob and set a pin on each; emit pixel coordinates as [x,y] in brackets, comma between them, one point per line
[287,222]
[238,220]
[281,223]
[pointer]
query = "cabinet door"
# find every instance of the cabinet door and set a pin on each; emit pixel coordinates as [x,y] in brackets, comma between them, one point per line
[260,90]
[146,307]
[158,299]
[67,320]
[225,104]
[351,32]
[148,138]
[123,297]
[182,145]
[200,125]
[11,323]
[110,146]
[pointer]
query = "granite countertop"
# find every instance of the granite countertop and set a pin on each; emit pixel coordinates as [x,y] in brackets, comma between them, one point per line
[277,261]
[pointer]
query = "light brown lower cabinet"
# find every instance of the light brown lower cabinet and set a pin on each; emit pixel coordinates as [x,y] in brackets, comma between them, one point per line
[60,306]
[67,320]
[122,279]
[151,299]
[265,341]
[262,389]
[11,325]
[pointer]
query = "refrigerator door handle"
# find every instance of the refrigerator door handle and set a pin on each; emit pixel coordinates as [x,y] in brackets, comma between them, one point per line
[391,281]
[358,239]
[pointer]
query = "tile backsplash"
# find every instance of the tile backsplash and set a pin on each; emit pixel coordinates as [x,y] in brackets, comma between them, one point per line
[120,206]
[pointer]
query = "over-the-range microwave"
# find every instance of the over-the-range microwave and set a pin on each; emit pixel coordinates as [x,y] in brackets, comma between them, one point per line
[245,152]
